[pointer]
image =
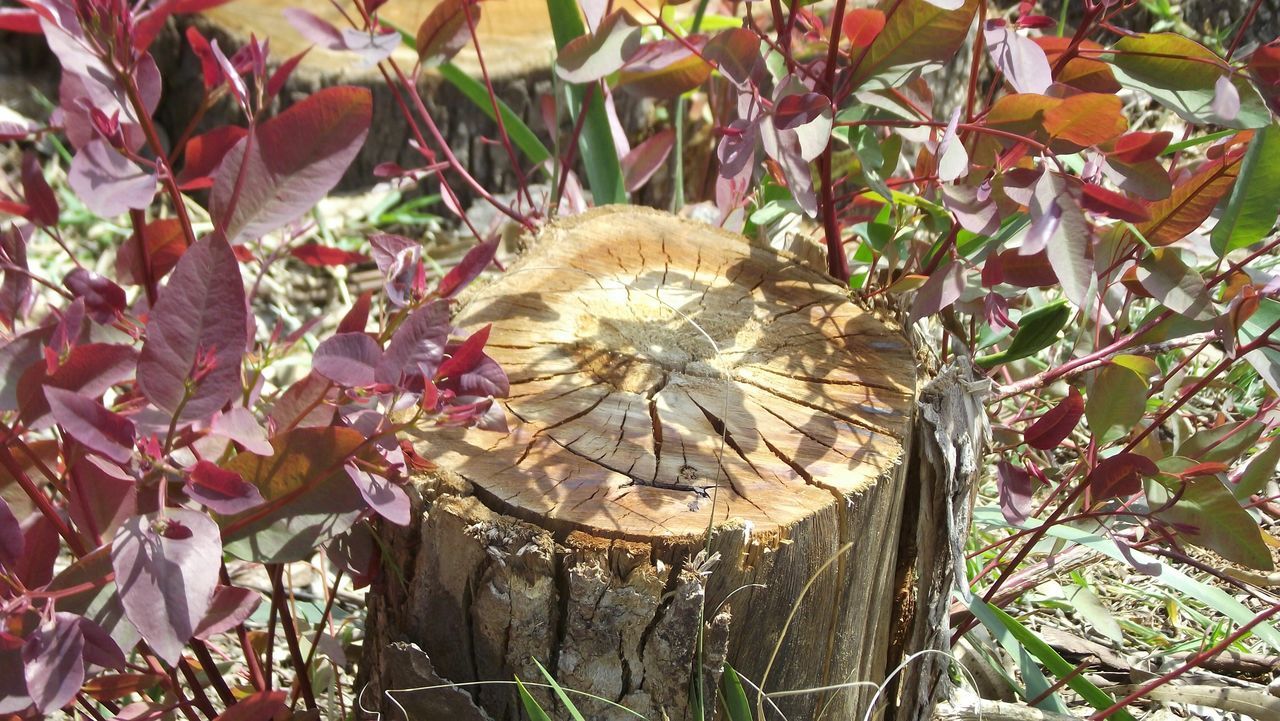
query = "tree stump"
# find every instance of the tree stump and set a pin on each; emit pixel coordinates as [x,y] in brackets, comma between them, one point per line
[707,461]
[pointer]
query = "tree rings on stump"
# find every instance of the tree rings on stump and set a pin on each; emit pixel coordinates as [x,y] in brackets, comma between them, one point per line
[705,436]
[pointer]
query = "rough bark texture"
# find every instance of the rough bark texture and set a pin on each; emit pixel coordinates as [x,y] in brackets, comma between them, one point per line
[580,538]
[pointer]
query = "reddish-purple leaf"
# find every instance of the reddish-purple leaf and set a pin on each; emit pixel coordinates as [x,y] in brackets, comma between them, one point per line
[466,355]
[87,421]
[109,183]
[1057,423]
[1100,200]
[255,707]
[1139,147]
[282,178]
[974,208]
[1013,485]
[384,497]
[15,291]
[590,57]
[358,317]
[348,359]
[665,68]
[166,568]
[314,28]
[41,546]
[417,348]
[54,658]
[941,290]
[89,369]
[37,193]
[103,299]
[239,425]
[231,606]
[100,496]
[219,490]
[1120,476]
[646,158]
[165,241]
[736,53]
[281,75]
[307,403]
[317,255]
[471,266]
[190,363]
[11,542]
[99,648]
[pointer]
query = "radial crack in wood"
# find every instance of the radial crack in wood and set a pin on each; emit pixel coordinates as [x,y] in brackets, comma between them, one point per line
[698,424]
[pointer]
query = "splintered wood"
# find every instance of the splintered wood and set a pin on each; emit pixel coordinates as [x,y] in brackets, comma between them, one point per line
[698,426]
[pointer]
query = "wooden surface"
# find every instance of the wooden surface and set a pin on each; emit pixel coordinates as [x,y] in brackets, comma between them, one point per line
[611,535]
[667,377]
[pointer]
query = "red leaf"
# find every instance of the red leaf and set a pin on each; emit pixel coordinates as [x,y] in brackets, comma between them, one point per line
[281,75]
[358,317]
[1120,475]
[196,334]
[37,193]
[220,490]
[444,31]
[20,20]
[1013,485]
[204,153]
[166,569]
[103,299]
[100,496]
[1057,423]
[284,178]
[1100,200]
[466,356]
[317,255]
[109,687]
[472,264]
[89,369]
[87,421]
[210,71]
[1139,147]
[862,26]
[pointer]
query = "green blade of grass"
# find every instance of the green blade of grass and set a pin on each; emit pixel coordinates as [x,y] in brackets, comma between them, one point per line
[1036,684]
[595,144]
[736,706]
[1059,666]
[531,706]
[519,132]
[560,694]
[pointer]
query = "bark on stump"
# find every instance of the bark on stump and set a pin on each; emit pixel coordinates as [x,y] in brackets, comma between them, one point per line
[668,380]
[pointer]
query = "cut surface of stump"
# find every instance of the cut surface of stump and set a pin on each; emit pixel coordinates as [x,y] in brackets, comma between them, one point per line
[675,389]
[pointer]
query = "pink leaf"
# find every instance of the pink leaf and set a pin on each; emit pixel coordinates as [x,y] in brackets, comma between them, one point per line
[472,264]
[87,421]
[953,159]
[587,58]
[372,48]
[1021,60]
[190,363]
[314,28]
[221,491]
[54,657]
[1226,99]
[386,498]
[231,606]
[282,178]
[239,425]
[166,569]
[941,290]
[646,158]
[1120,476]
[348,359]
[109,183]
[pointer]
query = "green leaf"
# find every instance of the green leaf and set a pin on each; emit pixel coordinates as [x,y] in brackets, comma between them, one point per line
[1181,289]
[1037,330]
[1166,575]
[531,707]
[595,144]
[520,133]
[732,695]
[1265,360]
[917,35]
[1032,676]
[1208,515]
[1222,444]
[1259,471]
[1255,199]
[1059,666]
[1117,399]
[1180,74]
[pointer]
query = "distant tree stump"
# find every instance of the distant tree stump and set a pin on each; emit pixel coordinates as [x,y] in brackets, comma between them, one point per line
[668,380]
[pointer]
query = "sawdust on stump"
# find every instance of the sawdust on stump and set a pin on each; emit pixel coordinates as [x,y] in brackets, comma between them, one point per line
[674,390]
